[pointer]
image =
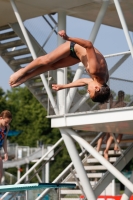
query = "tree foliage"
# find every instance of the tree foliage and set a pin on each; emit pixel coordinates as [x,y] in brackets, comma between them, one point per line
[29,117]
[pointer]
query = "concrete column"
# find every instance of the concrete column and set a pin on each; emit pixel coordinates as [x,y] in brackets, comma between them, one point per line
[62,72]
[127,193]
[78,165]
[27,168]
[18,173]
[43,174]
[113,187]
[47,172]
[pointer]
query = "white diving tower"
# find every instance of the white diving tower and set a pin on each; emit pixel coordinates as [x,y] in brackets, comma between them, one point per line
[120,120]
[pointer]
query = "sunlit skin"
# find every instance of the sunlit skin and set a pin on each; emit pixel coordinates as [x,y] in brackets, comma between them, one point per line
[91,58]
[93,86]
[4,123]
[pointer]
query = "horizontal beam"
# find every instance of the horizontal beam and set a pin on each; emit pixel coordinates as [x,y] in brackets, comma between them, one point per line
[118,120]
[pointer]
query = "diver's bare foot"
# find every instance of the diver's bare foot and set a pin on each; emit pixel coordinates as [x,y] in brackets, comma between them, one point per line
[116,148]
[19,82]
[106,155]
[15,77]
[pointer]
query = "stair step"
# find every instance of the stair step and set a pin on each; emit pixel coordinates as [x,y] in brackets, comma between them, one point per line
[16,52]
[21,61]
[93,160]
[11,44]
[34,85]
[122,144]
[95,167]
[69,198]
[44,100]
[40,92]
[70,191]
[73,182]
[111,152]
[93,175]
[127,140]
[8,35]
[5,27]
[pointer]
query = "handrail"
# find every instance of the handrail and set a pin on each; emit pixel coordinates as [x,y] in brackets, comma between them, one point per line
[35,165]
[58,178]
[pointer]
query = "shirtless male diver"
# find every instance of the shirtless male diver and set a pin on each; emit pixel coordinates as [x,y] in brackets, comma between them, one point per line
[73,51]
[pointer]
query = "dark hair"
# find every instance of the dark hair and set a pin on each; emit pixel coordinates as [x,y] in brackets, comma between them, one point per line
[121,93]
[6,114]
[103,95]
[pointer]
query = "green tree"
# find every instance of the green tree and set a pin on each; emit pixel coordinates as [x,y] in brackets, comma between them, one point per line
[29,117]
[3,103]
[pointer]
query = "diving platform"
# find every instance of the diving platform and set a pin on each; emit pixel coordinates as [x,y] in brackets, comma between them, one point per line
[118,120]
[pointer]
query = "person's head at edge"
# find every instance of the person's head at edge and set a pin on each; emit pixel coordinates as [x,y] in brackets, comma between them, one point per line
[5,118]
[121,95]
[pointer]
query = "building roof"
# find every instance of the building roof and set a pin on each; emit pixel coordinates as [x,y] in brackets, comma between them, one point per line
[85,9]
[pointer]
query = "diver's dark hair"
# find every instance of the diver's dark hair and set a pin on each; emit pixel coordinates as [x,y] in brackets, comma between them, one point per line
[103,95]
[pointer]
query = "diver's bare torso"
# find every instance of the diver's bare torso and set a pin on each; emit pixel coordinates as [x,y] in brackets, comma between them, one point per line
[100,70]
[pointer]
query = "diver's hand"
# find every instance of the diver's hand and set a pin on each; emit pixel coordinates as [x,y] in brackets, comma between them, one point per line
[57,87]
[63,34]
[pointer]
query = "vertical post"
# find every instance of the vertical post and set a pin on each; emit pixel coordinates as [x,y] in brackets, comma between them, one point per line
[127,193]
[27,168]
[61,71]
[18,173]
[3,177]
[26,195]
[27,177]
[124,25]
[67,139]
[78,165]
[113,187]
[43,174]
[47,172]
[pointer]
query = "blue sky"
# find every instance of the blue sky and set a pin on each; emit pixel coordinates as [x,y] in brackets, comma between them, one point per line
[109,40]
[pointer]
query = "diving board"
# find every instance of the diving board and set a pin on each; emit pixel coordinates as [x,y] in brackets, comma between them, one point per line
[34,186]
